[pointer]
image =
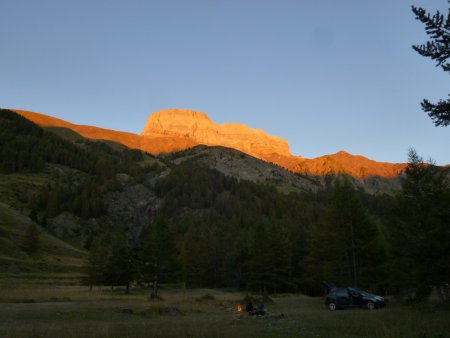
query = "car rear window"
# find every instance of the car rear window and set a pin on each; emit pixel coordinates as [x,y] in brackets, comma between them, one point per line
[342,292]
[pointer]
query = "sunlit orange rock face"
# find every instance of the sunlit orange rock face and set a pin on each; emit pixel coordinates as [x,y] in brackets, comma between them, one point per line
[345,163]
[202,130]
[177,129]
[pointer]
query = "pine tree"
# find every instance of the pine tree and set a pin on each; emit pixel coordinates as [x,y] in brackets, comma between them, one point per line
[159,256]
[120,266]
[96,264]
[346,247]
[269,263]
[204,257]
[420,236]
[438,49]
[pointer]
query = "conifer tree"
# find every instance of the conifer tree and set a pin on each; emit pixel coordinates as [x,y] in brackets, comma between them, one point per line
[420,236]
[159,256]
[96,264]
[346,247]
[205,257]
[438,49]
[119,268]
[269,263]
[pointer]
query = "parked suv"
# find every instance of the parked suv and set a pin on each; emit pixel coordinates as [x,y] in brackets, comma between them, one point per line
[339,298]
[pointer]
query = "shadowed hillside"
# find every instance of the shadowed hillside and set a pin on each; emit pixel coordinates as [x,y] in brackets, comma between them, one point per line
[176,129]
[209,216]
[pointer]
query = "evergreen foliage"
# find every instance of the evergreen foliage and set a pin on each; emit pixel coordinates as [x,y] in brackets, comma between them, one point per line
[269,263]
[119,267]
[212,230]
[230,228]
[27,148]
[438,49]
[96,265]
[346,246]
[159,256]
[419,232]
[208,257]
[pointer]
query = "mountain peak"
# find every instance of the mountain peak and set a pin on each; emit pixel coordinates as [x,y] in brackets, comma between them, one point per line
[175,113]
[201,129]
[180,122]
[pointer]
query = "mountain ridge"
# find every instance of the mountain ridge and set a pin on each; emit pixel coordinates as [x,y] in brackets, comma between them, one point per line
[178,129]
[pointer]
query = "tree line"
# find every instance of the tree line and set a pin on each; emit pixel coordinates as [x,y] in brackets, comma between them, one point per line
[87,169]
[217,231]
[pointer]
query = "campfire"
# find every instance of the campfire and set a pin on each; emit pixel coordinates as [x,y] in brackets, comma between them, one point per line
[239,308]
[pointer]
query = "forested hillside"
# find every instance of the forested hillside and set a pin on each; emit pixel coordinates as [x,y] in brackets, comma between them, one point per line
[185,221]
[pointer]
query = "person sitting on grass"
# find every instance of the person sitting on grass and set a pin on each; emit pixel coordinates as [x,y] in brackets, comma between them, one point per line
[260,310]
[249,308]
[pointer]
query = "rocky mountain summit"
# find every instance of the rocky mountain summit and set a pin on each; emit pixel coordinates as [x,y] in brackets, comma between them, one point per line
[201,129]
[173,130]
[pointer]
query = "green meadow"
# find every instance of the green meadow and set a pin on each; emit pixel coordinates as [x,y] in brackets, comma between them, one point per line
[54,305]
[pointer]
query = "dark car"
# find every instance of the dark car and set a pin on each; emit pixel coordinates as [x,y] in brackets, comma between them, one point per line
[340,298]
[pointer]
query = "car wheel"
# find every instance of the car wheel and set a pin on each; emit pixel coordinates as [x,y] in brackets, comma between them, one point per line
[332,306]
[370,306]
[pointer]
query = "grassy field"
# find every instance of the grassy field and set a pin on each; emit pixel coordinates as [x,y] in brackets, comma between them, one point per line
[38,306]
[41,296]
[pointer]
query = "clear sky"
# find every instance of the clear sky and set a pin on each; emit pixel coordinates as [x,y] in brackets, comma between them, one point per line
[326,75]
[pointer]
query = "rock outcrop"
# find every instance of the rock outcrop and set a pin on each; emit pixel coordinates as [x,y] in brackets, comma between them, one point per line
[201,129]
[135,204]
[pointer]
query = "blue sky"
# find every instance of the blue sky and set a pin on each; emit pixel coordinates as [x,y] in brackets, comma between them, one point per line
[325,75]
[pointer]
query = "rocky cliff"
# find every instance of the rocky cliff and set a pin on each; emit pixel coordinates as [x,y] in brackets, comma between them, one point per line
[201,129]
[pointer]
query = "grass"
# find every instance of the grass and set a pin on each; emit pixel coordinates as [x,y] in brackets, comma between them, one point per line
[14,188]
[53,309]
[54,255]
[65,133]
